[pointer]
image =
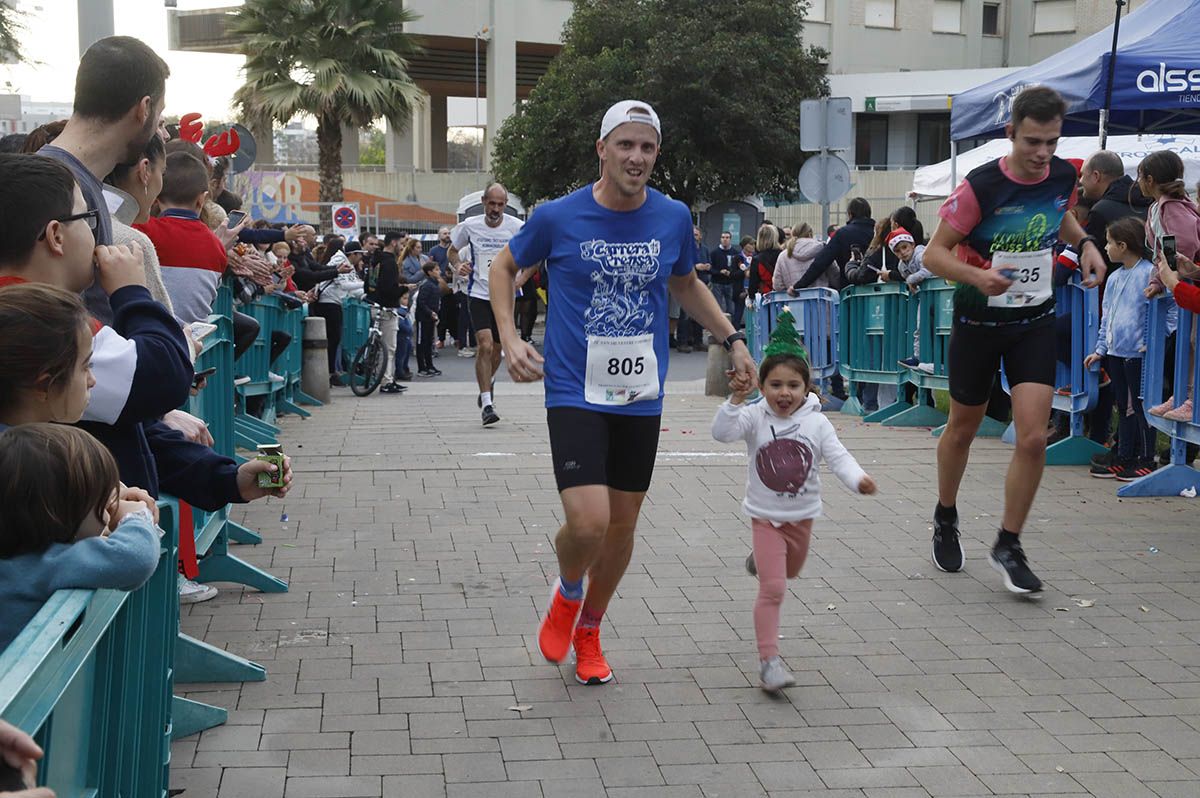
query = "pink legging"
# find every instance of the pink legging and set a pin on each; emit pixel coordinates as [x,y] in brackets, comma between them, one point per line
[779,554]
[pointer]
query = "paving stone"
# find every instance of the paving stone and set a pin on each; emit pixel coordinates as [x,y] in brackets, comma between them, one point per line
[916,684]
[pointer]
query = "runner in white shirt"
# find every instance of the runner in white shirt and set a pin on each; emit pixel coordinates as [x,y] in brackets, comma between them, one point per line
[474,242]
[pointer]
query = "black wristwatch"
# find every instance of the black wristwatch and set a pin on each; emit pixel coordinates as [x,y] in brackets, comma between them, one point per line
[733,339]
[1089,240]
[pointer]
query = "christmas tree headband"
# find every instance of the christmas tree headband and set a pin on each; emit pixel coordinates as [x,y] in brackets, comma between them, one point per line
[785,339]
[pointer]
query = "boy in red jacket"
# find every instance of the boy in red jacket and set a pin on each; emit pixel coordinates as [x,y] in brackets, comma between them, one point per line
[192,257]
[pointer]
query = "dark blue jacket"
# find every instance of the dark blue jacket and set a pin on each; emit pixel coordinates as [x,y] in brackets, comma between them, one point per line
[855,233]
[149,454]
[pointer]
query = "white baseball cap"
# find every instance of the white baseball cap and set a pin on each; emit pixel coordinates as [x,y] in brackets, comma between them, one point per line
[629,111]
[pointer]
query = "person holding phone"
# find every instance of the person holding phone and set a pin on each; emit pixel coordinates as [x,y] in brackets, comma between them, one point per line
[1174,221]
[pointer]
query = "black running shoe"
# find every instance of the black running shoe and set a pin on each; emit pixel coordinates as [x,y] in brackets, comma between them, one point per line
[1135,471]
[948,553]
[751,566]
[489,416]
[1104,471]
[1105,458]
[1010,561]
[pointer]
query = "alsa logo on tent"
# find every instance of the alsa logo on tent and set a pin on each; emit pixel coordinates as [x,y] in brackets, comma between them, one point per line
[1168,80]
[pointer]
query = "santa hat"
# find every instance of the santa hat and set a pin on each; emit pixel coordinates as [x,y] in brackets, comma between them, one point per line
[897,237]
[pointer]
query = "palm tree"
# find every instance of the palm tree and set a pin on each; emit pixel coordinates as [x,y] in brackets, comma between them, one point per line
[345,62]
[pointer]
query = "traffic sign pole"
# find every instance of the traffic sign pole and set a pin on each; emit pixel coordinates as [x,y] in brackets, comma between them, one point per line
[825,128]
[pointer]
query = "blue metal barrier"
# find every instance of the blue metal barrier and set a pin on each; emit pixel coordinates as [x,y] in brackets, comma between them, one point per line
[90,678]
[356,326]
[816,313]
[1076,388]
[874,336]
[196,660]
[1173,479]
[931,319]
[253,430]
[291,364]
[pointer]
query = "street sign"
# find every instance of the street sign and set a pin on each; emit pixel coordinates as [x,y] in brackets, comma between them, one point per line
[825,124]
[824,178]
[345,220]
[243,159]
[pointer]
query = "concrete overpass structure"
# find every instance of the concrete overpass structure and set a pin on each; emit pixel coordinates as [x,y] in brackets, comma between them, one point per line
[493,49]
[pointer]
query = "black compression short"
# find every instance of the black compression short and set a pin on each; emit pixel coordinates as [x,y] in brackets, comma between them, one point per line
[595,448]
[483,319]
[1027,350]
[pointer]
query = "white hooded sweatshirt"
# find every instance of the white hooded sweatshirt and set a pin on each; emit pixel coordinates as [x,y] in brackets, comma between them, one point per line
[782,483]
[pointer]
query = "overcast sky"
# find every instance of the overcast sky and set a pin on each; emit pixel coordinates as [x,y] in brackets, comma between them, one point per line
[202,82]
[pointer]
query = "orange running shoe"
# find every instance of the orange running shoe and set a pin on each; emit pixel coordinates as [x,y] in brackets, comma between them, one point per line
[590,665]
[554,632]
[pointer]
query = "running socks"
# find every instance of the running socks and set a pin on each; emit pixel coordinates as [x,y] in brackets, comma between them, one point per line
[589,618]
[1006,538]
[486,398]
[569,590]
[945,515]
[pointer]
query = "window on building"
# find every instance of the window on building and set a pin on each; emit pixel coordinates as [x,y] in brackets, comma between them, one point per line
[1053,16]
[991,19]
[933,138]
[870,140]
[816,11]
[881,13]
[947,16]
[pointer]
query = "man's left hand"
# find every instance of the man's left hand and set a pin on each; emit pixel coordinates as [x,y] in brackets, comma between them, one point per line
[1092,265]
[743,364]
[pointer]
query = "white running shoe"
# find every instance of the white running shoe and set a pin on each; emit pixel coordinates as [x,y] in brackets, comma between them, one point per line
[193,592]
[774,676]
[466,351]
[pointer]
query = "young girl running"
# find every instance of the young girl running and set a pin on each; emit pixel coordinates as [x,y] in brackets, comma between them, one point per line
[786,437]
[1122,345]
[76,532]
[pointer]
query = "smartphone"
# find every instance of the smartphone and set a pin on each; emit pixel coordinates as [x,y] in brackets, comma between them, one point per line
[203,375]
[235,218]
[1169,252]
[201,330]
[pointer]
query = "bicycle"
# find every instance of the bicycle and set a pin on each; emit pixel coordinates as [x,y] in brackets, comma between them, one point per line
[366,371]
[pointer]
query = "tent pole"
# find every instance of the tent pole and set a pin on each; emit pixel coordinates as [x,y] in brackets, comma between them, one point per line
[1112,68]
[953,164]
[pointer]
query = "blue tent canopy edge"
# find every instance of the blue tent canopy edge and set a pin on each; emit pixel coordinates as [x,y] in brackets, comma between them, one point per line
[1156,86]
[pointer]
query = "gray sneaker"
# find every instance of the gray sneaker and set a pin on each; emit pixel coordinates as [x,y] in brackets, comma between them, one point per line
[774,676]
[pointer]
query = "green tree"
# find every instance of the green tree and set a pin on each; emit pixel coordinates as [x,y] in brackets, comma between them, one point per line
[373,150]
[725,76]
[10,28]
[345,62]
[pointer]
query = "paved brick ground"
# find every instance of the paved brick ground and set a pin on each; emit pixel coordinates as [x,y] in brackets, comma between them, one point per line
[418,550]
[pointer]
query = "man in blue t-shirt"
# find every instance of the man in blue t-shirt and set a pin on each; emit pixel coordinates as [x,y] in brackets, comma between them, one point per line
[612,250]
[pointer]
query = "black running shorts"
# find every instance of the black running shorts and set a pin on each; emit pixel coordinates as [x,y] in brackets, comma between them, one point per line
[976,351]
[594,448]
[482,318]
